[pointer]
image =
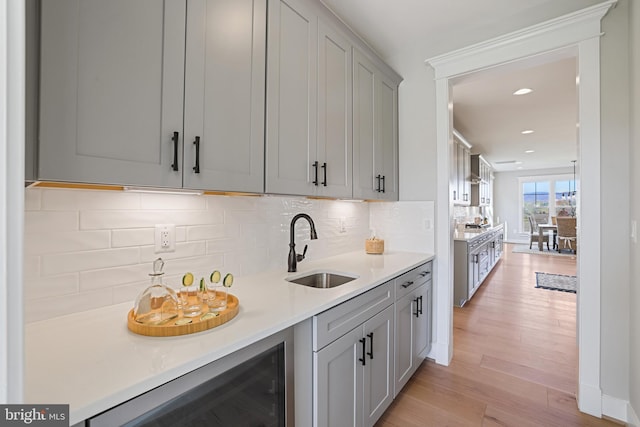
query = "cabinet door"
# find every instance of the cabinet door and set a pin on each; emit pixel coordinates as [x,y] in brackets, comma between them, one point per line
[111,91]
[387,145]
[422,338]
[453,179]
[224,95]
[375,131]
[292,42]
[378,370]
[335,138]
[366,165]
[406,309]
[337,382]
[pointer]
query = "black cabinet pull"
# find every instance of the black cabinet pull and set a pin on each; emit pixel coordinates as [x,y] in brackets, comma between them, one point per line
[363,341]
[454,195]
[378,183]
[196,168]
[383,185]
[175,138]
[407,284]
[420,304]
[425,273]
[417,312]
[315,171]
[324,168]
[370,352]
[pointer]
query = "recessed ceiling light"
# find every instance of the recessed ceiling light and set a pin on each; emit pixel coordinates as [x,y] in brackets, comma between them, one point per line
[518,163]
[519,167]
[526,132]
[530,151]
[523,91]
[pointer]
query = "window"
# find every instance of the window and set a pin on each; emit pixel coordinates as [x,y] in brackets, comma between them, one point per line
[535,198]
[545,196]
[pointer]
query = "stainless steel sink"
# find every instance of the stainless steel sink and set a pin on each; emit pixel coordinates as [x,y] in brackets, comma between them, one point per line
[321,279]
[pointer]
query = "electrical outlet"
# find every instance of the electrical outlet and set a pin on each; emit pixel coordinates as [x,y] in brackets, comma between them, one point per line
[343,225]
[427,224]
[165,238]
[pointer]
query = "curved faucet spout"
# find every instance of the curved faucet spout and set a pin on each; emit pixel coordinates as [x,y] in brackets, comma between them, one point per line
[293,257]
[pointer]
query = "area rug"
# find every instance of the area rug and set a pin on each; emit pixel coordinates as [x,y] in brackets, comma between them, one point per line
[556,282]
[524,249]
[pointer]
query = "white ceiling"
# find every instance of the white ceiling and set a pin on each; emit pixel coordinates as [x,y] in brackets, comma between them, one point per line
[407,32]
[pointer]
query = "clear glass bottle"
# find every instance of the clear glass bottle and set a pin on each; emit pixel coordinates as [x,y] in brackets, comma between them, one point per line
[158,303]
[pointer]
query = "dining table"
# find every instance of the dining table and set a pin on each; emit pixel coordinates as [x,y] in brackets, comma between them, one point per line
[542,228]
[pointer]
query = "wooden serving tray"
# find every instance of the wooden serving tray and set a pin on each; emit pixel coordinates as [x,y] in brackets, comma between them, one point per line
[171,329]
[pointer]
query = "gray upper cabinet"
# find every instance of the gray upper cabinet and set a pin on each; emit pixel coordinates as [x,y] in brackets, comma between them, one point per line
[309,141]
[111,90]
[224,95]
[116,108]
[375,131]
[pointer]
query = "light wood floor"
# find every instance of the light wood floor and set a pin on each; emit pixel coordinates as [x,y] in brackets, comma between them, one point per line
[514,360]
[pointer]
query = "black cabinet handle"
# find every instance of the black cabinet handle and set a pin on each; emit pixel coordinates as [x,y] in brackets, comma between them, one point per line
[420,304]
[425,273]
[370,352]
[315,171]
[417,313]
[378,177]
[175,139]
[324,168]
[407,284]
[196,168]
[383,185]
[454,195]
[363,341]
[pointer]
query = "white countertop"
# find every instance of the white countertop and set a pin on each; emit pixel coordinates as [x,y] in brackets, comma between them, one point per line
[474,233]
[91,361]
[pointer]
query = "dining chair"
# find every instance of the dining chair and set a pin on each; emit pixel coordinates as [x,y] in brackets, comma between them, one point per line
[555,233]
[567,233]
[534,232]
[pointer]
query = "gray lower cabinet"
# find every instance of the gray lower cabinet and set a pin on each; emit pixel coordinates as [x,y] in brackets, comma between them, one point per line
[414,291]
[309,140]
[375,131]
[473,261]
[118,77]
[353,360]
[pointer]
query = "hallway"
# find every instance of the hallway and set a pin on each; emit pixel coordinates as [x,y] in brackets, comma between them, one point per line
[515,357]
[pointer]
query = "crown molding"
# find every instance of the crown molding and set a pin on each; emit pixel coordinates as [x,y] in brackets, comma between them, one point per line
[550,35]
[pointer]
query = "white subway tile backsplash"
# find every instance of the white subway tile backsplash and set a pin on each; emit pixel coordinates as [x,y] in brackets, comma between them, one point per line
[114,276]
[89,260]
[52,286]
[32,199]
[73,199]
[132,237]
[85,249]
[44,221]
[172,202]
[70,241]
[46,308]
[100,220]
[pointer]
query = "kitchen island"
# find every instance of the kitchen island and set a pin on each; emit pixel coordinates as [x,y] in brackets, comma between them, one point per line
[91,361]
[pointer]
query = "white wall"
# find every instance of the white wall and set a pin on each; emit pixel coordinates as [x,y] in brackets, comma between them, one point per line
[506,191]
[85,249]
[634,297]
[614,207]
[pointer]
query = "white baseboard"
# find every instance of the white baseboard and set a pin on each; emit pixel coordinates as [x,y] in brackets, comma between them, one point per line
[615,408]
[632,417]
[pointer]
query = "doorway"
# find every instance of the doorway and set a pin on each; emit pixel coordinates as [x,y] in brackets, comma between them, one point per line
[579,33]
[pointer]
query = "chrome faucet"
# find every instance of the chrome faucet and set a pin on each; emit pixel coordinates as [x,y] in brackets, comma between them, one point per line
[294,258]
